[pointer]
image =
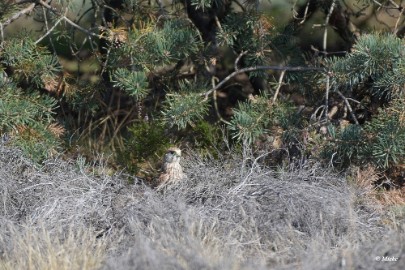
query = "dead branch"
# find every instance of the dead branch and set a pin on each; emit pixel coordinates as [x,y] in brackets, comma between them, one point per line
[280,83]
[256,68]
[18,15]
[348,107]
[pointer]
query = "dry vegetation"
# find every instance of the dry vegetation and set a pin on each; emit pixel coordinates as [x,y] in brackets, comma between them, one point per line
[230,213]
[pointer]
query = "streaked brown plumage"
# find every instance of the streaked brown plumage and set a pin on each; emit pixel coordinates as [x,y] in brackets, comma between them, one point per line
[172,171]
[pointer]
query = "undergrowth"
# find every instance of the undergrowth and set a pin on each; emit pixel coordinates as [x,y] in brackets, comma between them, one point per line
[230,213]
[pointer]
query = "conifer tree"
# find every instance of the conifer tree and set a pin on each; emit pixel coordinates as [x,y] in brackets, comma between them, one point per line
[175,65]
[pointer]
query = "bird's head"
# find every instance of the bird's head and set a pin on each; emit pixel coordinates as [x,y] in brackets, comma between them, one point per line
[173,154]
[174,151]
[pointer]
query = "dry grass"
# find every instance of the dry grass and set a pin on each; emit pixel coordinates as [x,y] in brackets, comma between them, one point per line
[29,248]
[366,179]
[229,213]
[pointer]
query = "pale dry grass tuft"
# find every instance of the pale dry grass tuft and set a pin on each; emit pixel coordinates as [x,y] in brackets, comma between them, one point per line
[29,248]
[229,213]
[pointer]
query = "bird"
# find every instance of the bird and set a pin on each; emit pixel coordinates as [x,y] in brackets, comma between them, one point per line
[172,172]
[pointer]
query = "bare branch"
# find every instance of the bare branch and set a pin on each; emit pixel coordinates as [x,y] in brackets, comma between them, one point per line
[66,19]
[18,15]
[305,14]
[237,60]
[398,20]
[348,106]
[280,83]
[325,33]
[1,33]
[216,103]
[49,30]
[19,2]
[327,96]
[256,68]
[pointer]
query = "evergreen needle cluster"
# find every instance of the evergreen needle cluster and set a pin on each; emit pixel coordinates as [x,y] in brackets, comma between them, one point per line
[135,65]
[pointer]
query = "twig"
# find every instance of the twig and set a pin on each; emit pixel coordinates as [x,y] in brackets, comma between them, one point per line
[249,69]
[305,13]
[348,106]
[314,117]
[325,33]
[1,32]
[325,39]
[49,31]
[237,60]
[218,24]
[397,22]
[352,99]
[19,14]
[19,2]
[216,103]
[377,3]
[394,4]
[280,82]
[66,19]
[326,112]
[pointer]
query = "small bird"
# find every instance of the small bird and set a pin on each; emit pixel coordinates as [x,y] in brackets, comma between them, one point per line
[172,171]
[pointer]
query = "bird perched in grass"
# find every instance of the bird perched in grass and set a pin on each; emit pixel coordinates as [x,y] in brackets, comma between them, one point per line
[172,172]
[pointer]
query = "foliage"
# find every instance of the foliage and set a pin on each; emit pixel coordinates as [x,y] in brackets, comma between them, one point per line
[380,142]
[205,138]
[385,135]
[372,70]
[376,59]
[180,107]
[29,63]
[29,117]
[134,82]
[205,68]
[146,143]
[250,120]
[173,42]
[248,32]
[345,146]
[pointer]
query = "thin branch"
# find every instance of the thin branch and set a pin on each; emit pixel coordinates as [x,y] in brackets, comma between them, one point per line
[325,33]
[104,64]
[237,60]
[305,14]
[19,14]
[398,20]
[327,96]
[377,3]
[280,83]
[355,101]
[394,4]
[256,68]
[387,7]
[325,39]
[66,19]
[19,2]
[216,103]
[219,24]
[49,31]
[313,115]
[1,33]
[348,106]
